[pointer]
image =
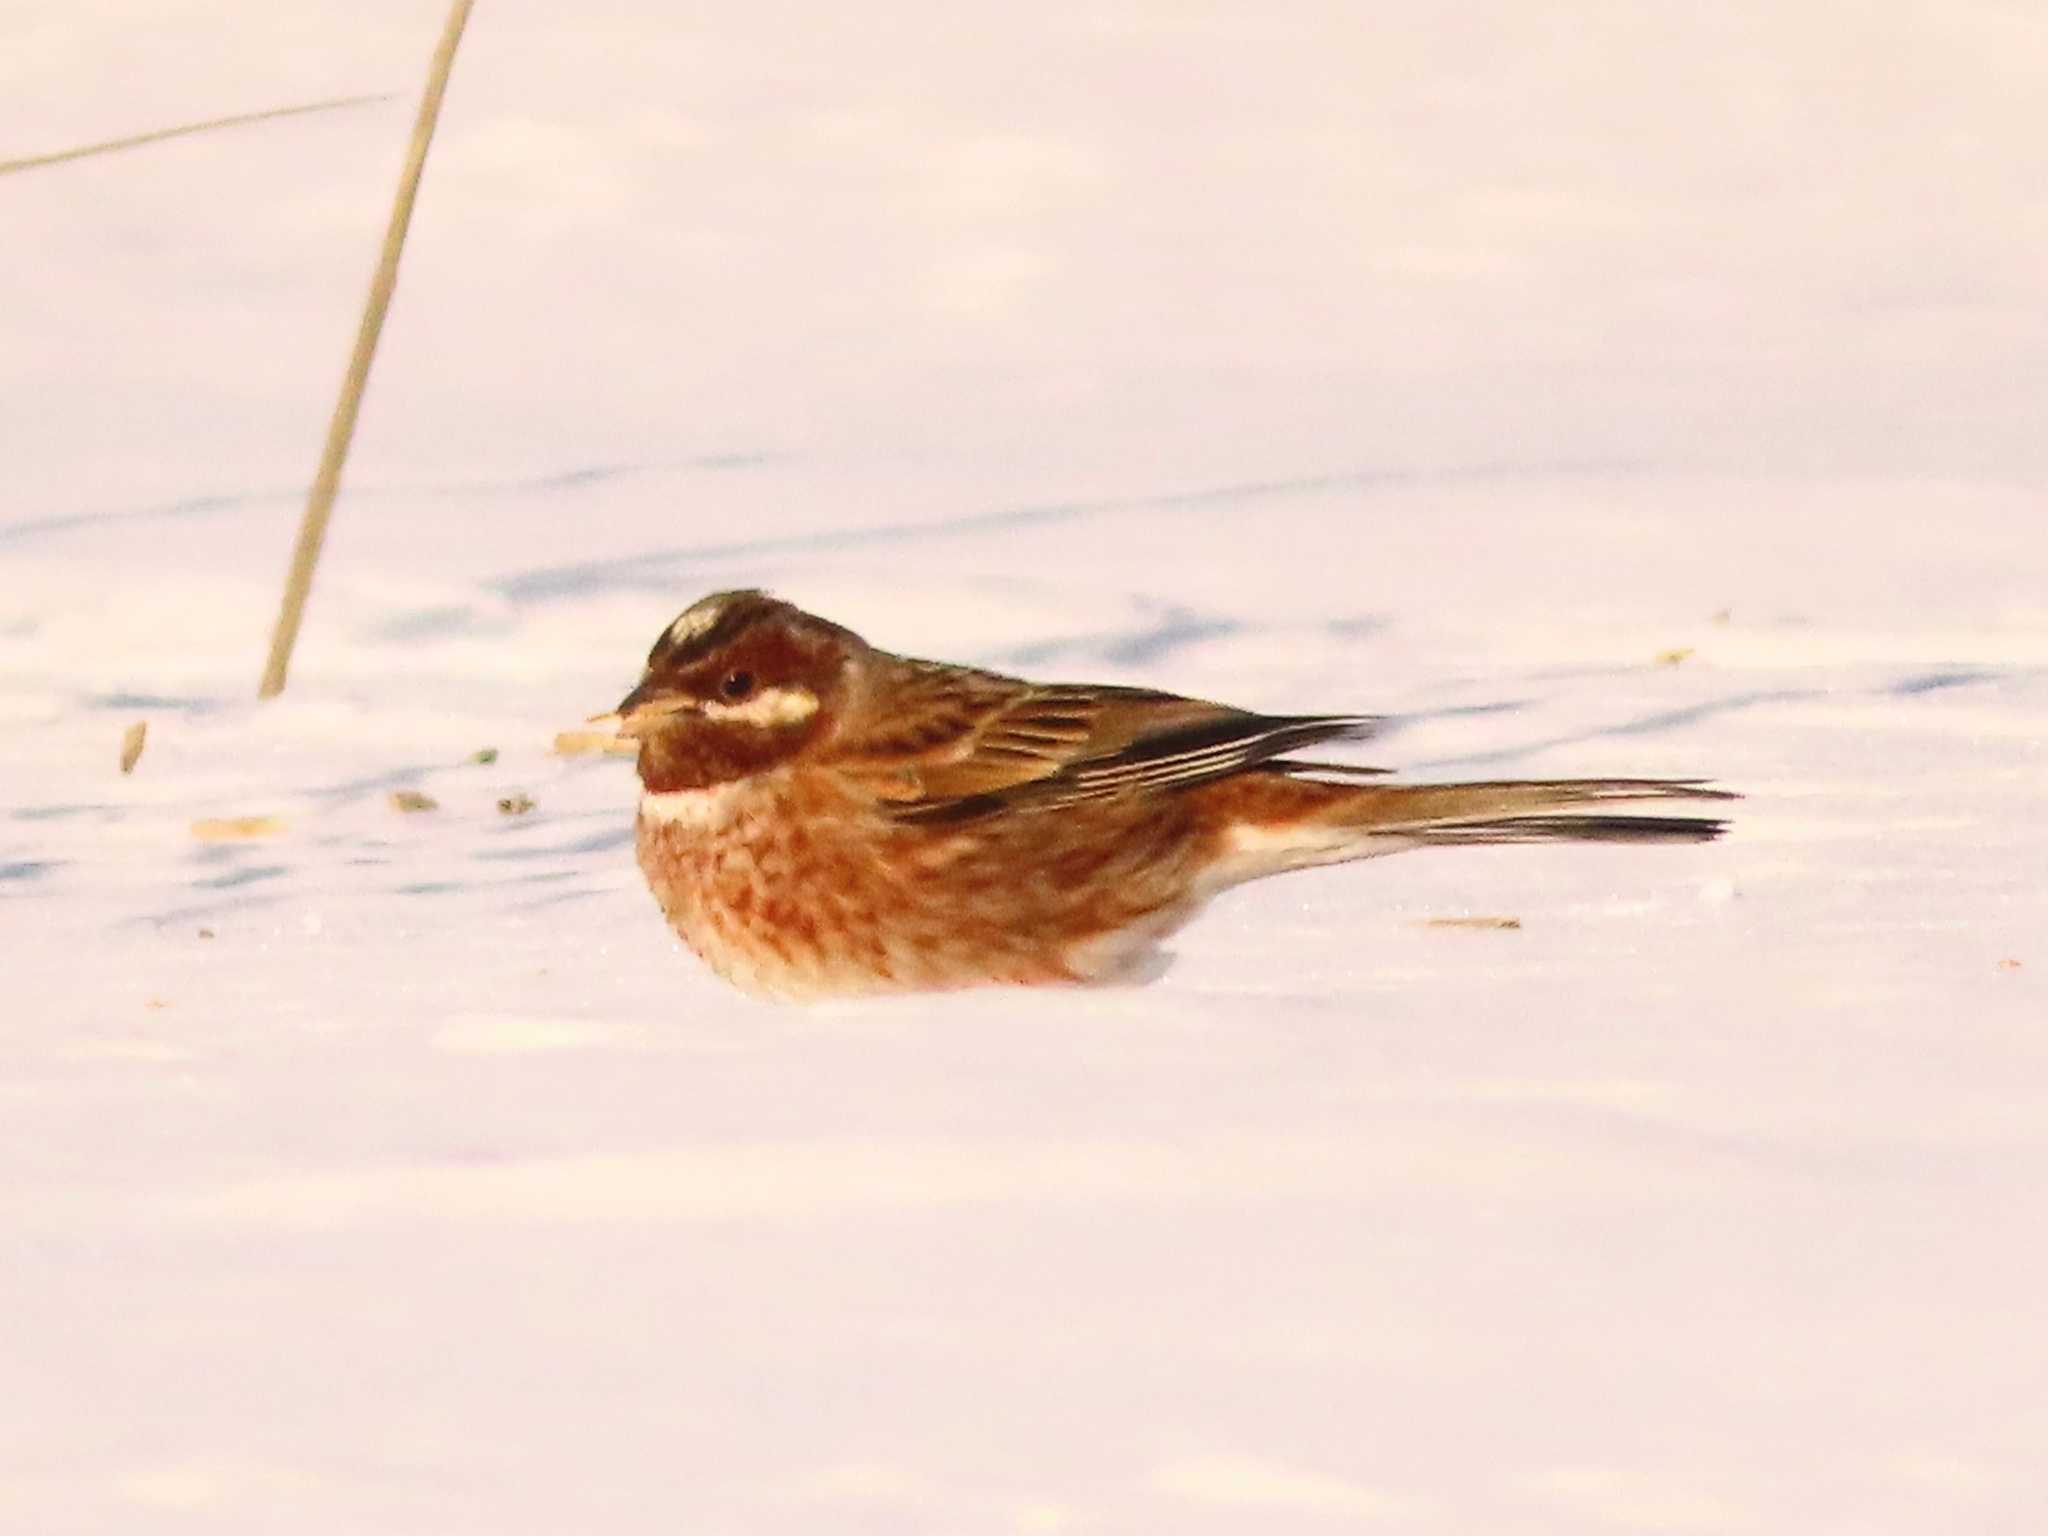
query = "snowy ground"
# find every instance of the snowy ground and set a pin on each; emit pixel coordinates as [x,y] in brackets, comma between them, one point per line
[1598,389]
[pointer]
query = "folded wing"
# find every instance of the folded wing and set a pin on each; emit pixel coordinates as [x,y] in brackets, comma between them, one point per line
[961,743]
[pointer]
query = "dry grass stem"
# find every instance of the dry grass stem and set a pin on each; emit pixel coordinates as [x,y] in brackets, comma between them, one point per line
[131,745]
[342,427]
[588,743]
[158,135]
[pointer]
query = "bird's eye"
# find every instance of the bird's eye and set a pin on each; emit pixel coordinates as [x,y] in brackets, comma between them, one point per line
[737,685]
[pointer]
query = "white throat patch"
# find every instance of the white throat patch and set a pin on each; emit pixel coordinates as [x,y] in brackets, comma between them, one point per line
[690,807]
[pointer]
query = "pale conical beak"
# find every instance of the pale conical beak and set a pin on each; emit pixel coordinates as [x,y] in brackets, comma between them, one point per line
[641,710]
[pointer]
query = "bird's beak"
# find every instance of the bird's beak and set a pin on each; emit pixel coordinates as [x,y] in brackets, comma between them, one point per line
[642,710]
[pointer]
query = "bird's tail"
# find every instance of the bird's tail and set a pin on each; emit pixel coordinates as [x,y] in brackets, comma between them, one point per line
[1529,811]
[1278,821]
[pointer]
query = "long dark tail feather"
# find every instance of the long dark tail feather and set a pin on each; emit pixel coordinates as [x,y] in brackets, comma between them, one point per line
[1531,811]
[1578,829]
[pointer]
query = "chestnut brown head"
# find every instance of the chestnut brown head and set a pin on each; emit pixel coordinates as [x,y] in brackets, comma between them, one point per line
[738,683]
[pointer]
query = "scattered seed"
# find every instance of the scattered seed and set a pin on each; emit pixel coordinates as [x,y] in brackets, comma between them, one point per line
[484,755]
[1674,656]
[2008,964]
[131,745]
[1472,922]
[413,800]
[227,829]
[589,743]
[515,805]
[206,933]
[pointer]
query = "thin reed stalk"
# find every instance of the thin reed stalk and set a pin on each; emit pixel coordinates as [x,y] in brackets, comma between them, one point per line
[342,426]
[158,135]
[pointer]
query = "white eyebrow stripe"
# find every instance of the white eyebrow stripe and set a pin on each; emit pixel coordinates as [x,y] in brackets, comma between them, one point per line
[771,706]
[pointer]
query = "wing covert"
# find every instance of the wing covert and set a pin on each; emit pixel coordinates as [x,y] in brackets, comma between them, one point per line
[956,742]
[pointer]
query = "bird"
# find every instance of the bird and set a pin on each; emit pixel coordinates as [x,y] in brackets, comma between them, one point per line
[821,818]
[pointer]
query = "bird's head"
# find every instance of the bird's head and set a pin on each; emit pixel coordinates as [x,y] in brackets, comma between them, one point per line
[740,683]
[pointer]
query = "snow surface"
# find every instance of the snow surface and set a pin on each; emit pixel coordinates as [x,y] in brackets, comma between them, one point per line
[397,1174]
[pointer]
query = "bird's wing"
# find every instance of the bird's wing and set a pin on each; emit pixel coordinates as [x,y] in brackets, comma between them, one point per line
[957,743]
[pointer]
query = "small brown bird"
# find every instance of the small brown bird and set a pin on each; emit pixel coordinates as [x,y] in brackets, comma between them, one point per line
[819,817]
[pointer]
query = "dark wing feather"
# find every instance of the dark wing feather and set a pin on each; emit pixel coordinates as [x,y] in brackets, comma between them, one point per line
[1190,743]
[954,742]
[1189,754]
